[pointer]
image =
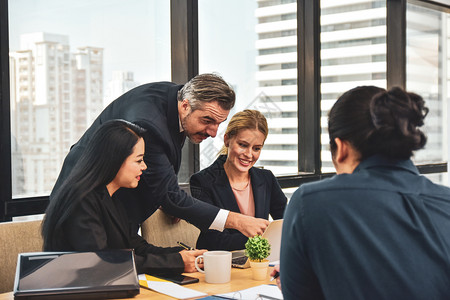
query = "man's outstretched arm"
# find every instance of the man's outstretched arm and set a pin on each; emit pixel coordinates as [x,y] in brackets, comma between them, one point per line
[248,226]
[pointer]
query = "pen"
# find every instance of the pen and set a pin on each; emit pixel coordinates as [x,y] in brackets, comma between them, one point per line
[185,246]
[267,297]
[277,274]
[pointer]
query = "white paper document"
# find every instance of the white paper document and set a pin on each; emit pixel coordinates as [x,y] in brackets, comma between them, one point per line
[263,292]
[171,289]
[274,263]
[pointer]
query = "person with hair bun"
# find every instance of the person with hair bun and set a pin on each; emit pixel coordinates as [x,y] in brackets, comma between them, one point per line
[232,182]
[377,229]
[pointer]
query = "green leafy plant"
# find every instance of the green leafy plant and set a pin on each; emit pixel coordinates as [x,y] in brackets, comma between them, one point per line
[257,248]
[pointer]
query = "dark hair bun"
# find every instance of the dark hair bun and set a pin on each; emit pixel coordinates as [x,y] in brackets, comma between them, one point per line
[396,115]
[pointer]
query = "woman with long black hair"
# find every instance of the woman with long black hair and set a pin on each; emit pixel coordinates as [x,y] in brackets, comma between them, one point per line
[83,215]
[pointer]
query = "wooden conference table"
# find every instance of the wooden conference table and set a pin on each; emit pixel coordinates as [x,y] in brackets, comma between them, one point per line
[240,279]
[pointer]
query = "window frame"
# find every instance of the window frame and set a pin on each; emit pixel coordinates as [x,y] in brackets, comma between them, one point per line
[184,58]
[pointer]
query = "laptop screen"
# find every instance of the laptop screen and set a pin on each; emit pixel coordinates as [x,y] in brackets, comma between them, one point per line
[273,235]
[105,274]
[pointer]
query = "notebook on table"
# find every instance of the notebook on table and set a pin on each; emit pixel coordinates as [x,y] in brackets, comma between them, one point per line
[273,235]
[76,275]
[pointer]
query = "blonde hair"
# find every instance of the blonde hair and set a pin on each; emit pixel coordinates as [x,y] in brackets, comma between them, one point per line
[246,119]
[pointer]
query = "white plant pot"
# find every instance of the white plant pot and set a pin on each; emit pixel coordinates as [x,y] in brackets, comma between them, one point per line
[259,269]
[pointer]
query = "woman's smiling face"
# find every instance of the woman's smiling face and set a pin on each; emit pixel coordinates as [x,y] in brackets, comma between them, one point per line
[131,170]
[244,149]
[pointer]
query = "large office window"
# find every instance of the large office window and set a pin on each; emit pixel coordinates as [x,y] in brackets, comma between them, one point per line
[428,74]
[68,60]
[353,52]
[61,62]
[256,51]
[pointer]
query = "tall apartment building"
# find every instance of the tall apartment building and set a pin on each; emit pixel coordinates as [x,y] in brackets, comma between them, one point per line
[55,94]
[353,52]
[87,89]
[428,38]
[277,82]
[120,83]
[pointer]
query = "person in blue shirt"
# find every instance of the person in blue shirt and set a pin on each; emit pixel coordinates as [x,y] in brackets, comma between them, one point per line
[377,229]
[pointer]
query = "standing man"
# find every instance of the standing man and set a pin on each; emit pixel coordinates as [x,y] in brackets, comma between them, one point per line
[170,113]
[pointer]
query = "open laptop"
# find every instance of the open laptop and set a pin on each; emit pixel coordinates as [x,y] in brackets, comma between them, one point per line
[273,235]
[76,275]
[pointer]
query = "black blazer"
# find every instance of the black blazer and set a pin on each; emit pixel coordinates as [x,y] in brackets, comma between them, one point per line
[154,107]
[99,222]
[211,185]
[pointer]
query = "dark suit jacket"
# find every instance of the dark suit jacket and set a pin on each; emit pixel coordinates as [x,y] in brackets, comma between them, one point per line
[154,107]
[211,185]
[99,222]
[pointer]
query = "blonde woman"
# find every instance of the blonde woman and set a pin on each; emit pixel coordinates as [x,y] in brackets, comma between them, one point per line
[232,182]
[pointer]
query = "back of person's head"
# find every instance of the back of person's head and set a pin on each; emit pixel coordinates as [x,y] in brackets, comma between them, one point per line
[376,121]
[246,119]
[97,166]
[207,88]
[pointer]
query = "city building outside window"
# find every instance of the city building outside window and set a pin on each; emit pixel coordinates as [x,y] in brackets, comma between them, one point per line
[68,60]
[65,66]
[258,56]
[428,74]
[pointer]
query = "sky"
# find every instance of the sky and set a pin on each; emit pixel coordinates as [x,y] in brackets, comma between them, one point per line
[135,34]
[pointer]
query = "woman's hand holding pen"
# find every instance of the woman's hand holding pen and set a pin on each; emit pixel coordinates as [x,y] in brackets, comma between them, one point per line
[181,244]
[276,275]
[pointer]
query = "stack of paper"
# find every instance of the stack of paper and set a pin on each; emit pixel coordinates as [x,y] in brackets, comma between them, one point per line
[168,288]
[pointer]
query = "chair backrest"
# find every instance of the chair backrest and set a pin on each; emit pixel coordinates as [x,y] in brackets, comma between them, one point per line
[15,238]
[159,230]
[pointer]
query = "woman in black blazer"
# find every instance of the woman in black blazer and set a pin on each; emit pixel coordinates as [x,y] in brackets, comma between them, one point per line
[232,182]
[83,215]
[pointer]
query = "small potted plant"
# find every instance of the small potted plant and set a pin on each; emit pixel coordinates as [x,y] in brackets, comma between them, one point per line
[257,249]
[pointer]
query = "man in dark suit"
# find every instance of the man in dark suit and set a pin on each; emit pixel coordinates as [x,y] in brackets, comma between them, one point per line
[169,113]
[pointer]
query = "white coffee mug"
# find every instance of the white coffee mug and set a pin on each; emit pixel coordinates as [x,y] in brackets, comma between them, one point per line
[217,265]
